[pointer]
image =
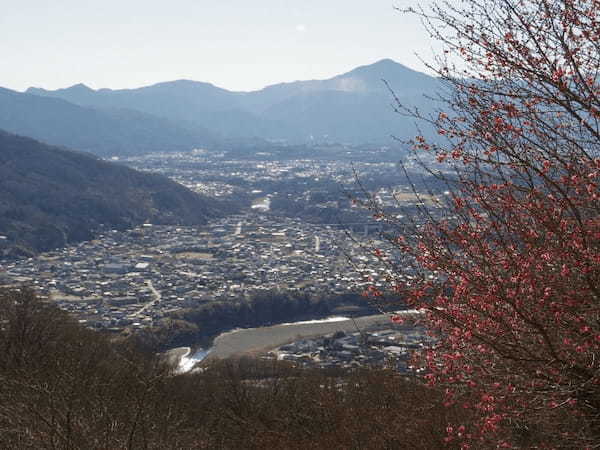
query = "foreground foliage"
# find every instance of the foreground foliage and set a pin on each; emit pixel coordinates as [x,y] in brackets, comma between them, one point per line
[63,386]
[516,295]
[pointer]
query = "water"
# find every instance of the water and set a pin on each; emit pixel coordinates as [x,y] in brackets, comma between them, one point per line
[328,320]
[187,363]
[260,339]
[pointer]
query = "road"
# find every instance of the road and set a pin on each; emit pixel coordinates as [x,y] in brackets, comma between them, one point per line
[157,299]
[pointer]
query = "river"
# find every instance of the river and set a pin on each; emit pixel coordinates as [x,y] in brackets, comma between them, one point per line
[262,339]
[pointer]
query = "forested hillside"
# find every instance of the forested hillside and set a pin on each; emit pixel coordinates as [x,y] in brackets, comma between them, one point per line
[68,387]
[51,196]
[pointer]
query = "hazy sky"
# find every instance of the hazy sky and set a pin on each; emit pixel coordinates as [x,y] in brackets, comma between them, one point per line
[235,44]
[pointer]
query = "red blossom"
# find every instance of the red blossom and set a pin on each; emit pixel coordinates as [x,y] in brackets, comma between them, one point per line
[515,304]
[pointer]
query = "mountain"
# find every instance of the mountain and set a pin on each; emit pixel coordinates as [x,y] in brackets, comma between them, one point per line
[191,104]
[104,132]
[352,107]
[365,80]
[51,196]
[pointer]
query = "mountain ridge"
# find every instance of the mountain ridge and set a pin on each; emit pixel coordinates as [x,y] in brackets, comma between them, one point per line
[385,63]
[104,132]
[278,111]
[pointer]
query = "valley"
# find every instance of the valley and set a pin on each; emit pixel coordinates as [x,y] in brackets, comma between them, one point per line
[302,254]
[211,209]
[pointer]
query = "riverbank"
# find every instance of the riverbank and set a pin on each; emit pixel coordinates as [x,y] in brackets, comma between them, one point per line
[176,355]
[263,339]
[244,341]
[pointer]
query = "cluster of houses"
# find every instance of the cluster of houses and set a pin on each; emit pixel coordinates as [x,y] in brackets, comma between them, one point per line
[136,277]
[388,347]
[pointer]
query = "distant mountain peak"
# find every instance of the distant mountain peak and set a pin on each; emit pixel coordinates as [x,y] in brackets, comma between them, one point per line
[77,89]
[184,84]
[383,65]
[386,61]
[80,87]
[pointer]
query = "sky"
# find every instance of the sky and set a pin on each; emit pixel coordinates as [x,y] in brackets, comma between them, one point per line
[235,44]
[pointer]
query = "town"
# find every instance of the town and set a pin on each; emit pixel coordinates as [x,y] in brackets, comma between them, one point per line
[387,347]
[137,277]
[298,230]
